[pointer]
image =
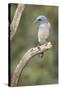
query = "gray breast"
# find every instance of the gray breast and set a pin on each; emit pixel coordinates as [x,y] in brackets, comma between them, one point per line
[43,33]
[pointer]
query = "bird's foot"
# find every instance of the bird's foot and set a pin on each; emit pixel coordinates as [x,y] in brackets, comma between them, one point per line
[38,47]
[39,43]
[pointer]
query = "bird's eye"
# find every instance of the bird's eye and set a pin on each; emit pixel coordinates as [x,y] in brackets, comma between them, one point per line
[39,19]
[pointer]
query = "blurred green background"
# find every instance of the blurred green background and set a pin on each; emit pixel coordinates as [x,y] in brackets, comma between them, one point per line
[38,71]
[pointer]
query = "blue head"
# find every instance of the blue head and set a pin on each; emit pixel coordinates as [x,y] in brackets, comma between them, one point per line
[41,19]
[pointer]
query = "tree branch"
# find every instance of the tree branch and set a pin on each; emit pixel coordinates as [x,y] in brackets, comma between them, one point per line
[27,57]
[16,20]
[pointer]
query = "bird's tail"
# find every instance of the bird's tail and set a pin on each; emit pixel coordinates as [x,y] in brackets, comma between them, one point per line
[40,55]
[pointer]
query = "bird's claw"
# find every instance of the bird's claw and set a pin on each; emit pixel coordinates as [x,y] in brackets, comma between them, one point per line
[39,47]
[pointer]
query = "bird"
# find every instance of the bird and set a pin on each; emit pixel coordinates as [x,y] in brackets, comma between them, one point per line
[43,31]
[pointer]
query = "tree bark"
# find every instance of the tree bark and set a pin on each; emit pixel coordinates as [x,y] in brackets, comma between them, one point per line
[16,20]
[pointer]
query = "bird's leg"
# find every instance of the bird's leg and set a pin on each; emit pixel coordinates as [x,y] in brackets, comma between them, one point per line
[40,54]
[39,44]
[46,42]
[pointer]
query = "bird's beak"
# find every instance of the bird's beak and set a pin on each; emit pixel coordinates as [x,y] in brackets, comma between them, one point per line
[35,21]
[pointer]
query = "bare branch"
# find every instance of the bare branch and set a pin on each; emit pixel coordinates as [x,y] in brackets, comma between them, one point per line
[25,59]
[16,20]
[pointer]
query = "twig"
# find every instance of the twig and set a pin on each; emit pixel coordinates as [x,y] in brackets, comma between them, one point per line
[16,20]
[27,57]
